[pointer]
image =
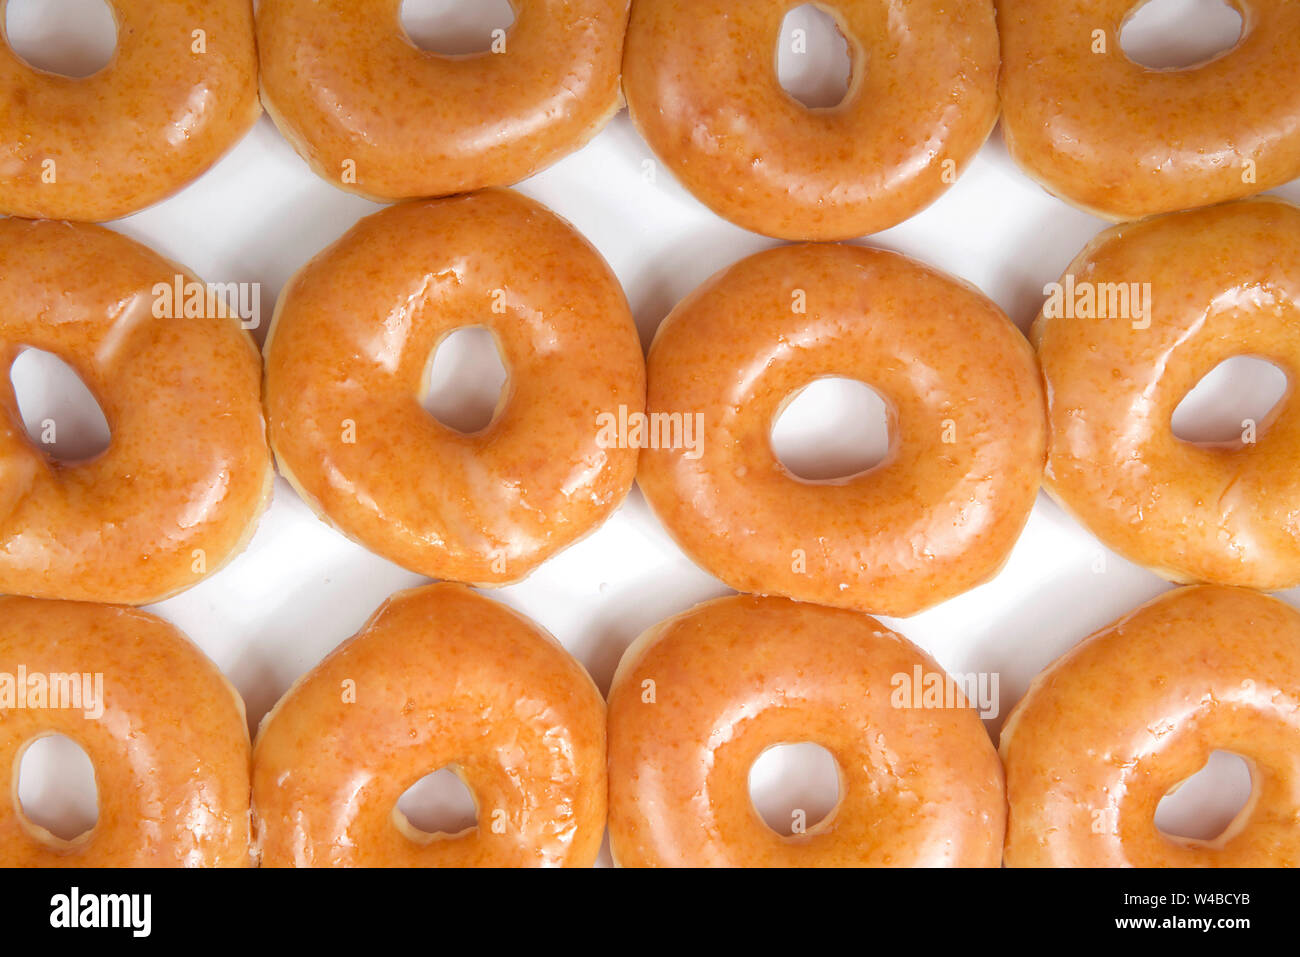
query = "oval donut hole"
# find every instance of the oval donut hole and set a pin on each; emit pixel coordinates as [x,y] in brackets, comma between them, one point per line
[465,382]
[1204,806]
[832,429]
[59,412]
[457,27]
[794,787]
[1229,406]
[56,787]
[439,804]
[74,38]
[814,63]
[1179,34]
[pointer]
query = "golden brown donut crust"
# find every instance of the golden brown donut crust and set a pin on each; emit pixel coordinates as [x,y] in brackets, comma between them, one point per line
[170,750]
[699,697]
[1137,708]
[702,87]
[351,341]
[1224,281]
[374,114]
[1124,141]
[168,105]
[187,472]
[938,516]
[440,677]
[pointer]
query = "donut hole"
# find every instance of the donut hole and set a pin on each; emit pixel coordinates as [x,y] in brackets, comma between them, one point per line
[1230,404]
[59,412]
[456,27]
[56,787]
[1204,806]
[794,787]
[832,429]
[1179,34]
[437,805]
[465,381]
[74,38]
[814,62]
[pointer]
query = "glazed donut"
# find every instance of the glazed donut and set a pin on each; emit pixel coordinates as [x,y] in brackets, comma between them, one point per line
[1218,282]
[699,697]
[439,677]
[936,517]
[187,473]
[702,88]
[180,90]
[346,360]
[1124,141]
[1137,708]
[374,114]
[165,731]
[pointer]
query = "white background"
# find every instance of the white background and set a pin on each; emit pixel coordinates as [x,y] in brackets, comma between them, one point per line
[300,588]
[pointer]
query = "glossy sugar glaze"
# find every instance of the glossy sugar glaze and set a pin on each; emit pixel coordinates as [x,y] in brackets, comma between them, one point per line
[187,472]
[345,365]
[439,677]
[1125,141]
[170,748]
[180,90]
[374,114]
[699,697]
[1134,710]
[938,516]
[702,88]
[1223,282]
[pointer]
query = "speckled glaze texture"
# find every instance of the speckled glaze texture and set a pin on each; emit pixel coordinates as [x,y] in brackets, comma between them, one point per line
[351,342]
[699,697]
[1136,709]
[170,749]
[702,86]
[1225,281]
[374,114]
[936,517]
[187,472]
[442,677]
[1125,141]
[150,122]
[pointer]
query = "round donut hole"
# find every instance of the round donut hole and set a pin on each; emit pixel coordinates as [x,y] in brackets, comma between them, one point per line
[457,27]
[1204,806]
[814,63]
[1228,405]
[56,787]
[60,413]
[832,429]
[437,805]
[794,787]
[465,382]
[1179,34]
[74,38]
